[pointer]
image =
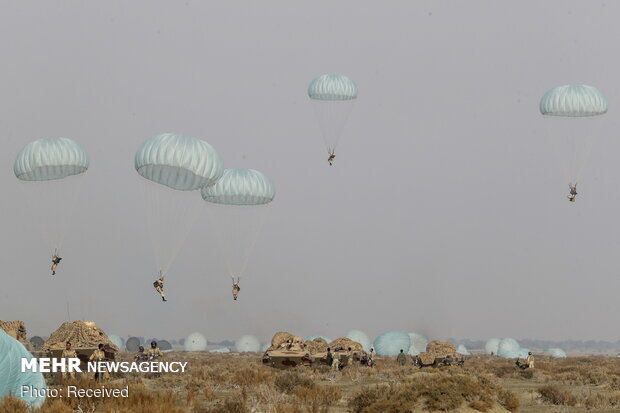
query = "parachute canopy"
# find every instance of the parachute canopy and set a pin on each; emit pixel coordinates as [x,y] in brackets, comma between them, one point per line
[50,158]
[220,350]
[116,340]
[195,342]
[11,377]
[573,101]
[462,350]
[418,344]
[390,343]
[360,337]
[248,344]
[179,162]
[132,344]
[240,187]
[237,206]
[557,353]
[164,345]
[492,345]
[508,348]
[332,87]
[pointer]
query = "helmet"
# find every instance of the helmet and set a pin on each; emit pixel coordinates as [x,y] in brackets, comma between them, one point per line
[154,342]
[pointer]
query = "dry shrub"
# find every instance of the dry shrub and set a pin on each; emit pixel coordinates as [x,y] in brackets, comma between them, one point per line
[366,399]
[436,392]
[12,404]
[252,377]
[286,382]
[287,408]
[508,400]
[554,395]
[321,395]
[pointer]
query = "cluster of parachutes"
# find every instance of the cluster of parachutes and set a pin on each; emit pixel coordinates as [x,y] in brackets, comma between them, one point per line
[175,165]
[172,166]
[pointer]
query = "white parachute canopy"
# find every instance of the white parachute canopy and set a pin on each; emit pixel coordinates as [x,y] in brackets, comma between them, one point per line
[462,350]
[11,377]
[557,353]
[418,344]
[360,337]
[174,166]
[492,346]
[247,344]
[390,343]
[220,350]
[570,112]
[195,342]
[332,97]
[51,171]
[509,348]
[237,204]
[116,340]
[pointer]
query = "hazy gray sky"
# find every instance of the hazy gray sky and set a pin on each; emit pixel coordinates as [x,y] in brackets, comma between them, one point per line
[444,213]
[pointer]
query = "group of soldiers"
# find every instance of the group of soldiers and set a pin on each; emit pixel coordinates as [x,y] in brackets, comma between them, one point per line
[336,362]
[100,355]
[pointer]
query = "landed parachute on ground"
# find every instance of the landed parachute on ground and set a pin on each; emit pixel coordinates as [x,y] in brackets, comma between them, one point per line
[390,343]
[51,170]
[174,166]
[570,112]
[11,377]
[195,342]
[557,353]
[116,340]
[132,344]
[360,337]
[492,345]
[237,205]
[247,344]
[418,344]
[333,97]
[462,350]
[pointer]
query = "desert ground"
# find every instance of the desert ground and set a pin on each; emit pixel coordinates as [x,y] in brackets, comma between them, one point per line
[241,383]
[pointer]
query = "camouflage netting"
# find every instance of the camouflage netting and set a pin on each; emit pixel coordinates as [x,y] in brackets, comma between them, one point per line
[279,338]
[345,343]
[318,345]
[16,329]
[282,337]
[436,349]
[81,334]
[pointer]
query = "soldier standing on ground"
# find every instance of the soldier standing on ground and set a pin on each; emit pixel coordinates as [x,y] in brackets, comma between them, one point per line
[154,351]
[98,355]
[68,353]
[402,358]
[530,360]
[329,358]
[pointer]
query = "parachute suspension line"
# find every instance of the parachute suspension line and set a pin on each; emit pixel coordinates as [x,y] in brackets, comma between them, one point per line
[237,228]
[332,117]
[170,217]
